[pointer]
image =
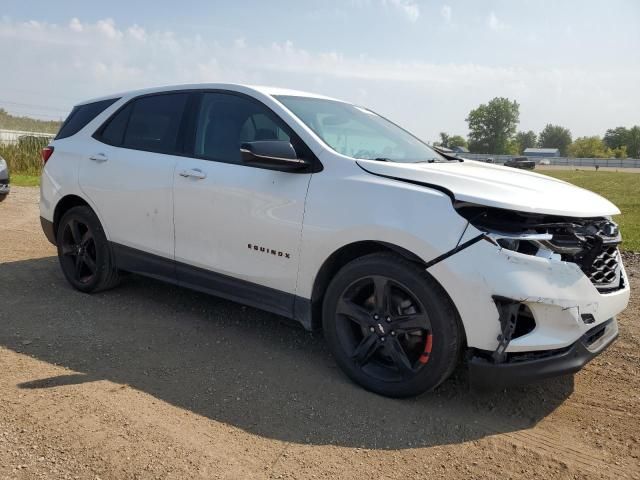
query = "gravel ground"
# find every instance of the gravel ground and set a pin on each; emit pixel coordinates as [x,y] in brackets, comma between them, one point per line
[153,381]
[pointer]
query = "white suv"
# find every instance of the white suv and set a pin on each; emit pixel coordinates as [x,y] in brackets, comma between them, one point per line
[327,213]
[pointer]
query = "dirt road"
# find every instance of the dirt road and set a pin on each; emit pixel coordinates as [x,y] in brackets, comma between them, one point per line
[153,381]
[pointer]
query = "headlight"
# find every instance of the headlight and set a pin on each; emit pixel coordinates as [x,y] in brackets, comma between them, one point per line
[527,243]
[565,235]
[591,243]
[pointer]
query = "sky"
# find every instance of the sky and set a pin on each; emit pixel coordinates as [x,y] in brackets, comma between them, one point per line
[424,64]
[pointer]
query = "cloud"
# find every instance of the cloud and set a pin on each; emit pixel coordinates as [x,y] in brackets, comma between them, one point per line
[58,65]
[75,25]
[494,23]
[409,8]
[445,13]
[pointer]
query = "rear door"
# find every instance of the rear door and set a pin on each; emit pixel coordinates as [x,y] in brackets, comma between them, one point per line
[238,227]
[128,175]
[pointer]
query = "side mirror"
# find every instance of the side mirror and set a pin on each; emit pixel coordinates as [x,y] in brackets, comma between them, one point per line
[273,155]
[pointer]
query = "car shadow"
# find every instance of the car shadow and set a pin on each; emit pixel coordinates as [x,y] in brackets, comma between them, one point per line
[238,365]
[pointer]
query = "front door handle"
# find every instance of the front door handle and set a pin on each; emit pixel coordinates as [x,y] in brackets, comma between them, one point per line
[99,157]
[193,173]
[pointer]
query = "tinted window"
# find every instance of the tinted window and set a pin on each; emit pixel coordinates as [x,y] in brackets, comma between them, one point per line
[81,115]
[154,123]
[224,122]
[113,131]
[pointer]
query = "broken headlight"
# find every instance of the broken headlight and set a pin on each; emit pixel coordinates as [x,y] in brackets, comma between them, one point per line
[564,235]
[591,243]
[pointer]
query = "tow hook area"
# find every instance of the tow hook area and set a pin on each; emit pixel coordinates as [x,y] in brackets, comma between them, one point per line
[508,316]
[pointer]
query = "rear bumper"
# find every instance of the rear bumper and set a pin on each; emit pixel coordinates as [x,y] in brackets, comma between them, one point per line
[47,228]
[525,368]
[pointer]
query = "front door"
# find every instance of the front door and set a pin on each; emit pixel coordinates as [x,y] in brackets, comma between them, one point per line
[237,228]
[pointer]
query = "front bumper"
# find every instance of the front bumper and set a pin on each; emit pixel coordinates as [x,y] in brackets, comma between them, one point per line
[4,186]
[526,368]
[564,303]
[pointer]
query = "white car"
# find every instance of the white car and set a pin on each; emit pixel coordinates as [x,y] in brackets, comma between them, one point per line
[327,213]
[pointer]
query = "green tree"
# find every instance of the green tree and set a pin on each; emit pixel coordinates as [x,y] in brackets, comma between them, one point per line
[589,147]
[457,141]
[444,140]
[633,142]
[555,136]
[526,140]
[616,137]
[492,126]
[620,152]
[627,138]
[450,141]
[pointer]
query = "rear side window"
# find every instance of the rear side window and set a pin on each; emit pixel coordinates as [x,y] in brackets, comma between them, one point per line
[81,115]
[150,123]
[154,123]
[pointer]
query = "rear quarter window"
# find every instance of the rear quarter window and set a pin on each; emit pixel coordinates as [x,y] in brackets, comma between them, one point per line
[81,115]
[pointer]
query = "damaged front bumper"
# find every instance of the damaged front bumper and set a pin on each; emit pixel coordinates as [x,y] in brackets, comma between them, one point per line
[559,304]
[517,369]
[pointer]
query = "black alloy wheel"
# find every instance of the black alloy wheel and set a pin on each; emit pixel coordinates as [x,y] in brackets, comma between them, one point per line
[384,327]
[78,249]
[391,326]
[84,253]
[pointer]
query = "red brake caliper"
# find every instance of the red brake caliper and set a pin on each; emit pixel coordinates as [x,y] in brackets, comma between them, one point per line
[424,358]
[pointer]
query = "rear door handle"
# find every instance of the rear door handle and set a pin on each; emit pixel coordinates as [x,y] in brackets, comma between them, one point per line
[193,173]
[99,157]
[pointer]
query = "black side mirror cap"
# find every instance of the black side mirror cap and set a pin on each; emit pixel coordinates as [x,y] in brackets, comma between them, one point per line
[273,155]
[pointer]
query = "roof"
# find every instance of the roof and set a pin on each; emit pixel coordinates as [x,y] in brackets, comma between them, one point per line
[237,87]
[541,150]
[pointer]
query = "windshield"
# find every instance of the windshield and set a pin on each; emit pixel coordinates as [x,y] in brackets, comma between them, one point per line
[358,132]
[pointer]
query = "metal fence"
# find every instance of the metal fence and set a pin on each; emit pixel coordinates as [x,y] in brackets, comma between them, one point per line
[8,137]
[563,161]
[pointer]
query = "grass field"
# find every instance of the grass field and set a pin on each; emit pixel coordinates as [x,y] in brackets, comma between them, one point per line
[25,180]
[24,156]
[623,189]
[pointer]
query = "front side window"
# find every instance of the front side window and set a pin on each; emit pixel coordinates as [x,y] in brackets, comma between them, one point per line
[224,122]
[357,132]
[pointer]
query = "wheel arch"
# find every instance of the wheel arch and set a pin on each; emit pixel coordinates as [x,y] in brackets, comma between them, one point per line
[64,205]
[340,258]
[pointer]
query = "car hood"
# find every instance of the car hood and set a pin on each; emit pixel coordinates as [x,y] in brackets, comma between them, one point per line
[498,186]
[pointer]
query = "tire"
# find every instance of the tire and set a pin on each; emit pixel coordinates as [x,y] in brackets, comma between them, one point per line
[84,253]
[369,332]
[3,196]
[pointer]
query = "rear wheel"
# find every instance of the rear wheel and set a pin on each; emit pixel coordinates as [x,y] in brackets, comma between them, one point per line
[390,326]
[84,252]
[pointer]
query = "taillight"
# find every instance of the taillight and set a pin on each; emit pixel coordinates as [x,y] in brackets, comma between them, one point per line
[46,154]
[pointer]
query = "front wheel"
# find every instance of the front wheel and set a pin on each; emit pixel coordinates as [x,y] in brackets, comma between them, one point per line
[390,326]
[84,252]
